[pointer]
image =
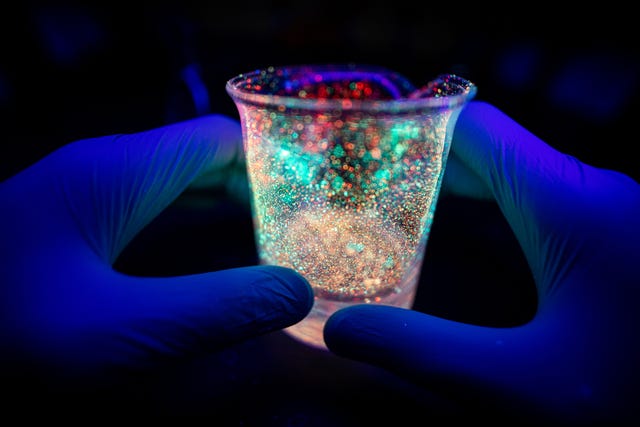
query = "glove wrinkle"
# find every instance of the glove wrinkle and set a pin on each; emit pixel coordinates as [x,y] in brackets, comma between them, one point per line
[109,219]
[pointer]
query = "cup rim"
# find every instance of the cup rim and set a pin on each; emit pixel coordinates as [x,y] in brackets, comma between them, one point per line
[403,103]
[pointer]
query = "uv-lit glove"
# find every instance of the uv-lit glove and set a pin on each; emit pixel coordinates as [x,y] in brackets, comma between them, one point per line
[578,360]
[67,316]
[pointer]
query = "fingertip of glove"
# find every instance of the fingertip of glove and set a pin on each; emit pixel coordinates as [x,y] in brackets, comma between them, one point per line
[360,329]
[342,327]
[292,286]
[333,339]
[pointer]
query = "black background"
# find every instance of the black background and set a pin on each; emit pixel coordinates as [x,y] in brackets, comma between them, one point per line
[70,71]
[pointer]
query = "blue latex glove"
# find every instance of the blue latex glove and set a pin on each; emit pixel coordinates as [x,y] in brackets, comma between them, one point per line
[68,318]
[578,359]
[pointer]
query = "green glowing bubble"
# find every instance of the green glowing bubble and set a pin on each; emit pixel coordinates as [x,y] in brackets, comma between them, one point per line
[382,175]
[337,184]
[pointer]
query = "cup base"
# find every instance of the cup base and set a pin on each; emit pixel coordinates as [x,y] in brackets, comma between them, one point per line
[310,329]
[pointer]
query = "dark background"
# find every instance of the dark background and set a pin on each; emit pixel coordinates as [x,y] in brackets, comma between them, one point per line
[70,71]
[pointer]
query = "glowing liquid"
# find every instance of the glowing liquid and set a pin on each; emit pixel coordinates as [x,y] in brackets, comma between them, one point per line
[344,191]
[348,258]
[357,237]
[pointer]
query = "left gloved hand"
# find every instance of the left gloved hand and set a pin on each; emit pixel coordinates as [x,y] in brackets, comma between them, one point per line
[68,318]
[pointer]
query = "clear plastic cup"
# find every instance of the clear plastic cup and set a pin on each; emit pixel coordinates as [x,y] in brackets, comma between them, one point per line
[345,164]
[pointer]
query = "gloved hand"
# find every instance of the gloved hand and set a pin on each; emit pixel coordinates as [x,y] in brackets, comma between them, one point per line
[578,360]
[69,320]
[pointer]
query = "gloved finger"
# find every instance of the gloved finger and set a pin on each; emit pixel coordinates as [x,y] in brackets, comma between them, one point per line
[137,322]
[229,160]
[554,203]
[113,186]
[410,342]
[512,163]
[530,181]
[510,371]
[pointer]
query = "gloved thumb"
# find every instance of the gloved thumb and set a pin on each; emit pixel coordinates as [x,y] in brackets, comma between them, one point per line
[139,321]
[489,371]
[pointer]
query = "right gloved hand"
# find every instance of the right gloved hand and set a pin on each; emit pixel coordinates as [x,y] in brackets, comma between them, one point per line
[577,360]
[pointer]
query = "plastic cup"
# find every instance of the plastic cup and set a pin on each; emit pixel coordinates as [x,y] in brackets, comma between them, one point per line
[345,164]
